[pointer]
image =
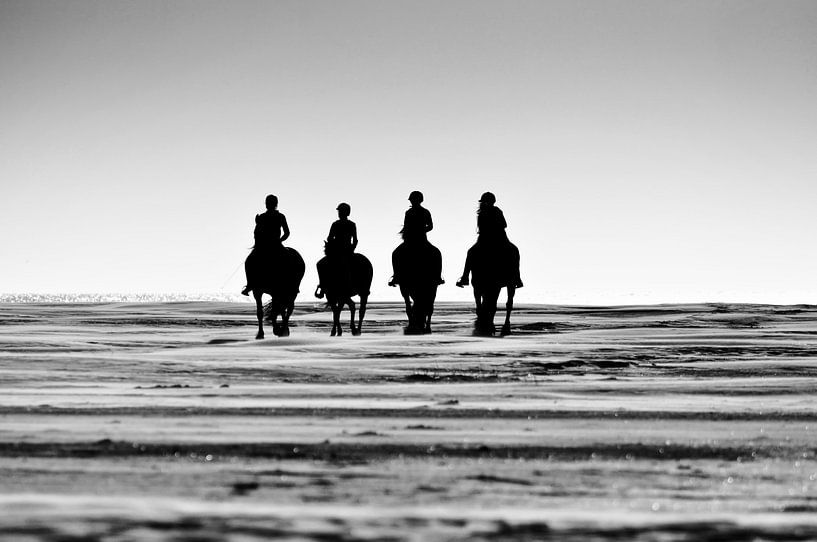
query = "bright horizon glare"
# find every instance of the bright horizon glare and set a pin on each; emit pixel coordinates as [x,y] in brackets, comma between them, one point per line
[642,151]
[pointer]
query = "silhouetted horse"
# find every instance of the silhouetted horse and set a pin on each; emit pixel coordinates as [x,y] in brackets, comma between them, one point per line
[342,276]
[418,264]
[492,271]
[278,273]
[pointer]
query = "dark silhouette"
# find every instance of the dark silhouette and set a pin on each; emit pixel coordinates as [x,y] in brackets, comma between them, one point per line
[493,262]
[343,273]
[273,269]
[417,266]
[269,226]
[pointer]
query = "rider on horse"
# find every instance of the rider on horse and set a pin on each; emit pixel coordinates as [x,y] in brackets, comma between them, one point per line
[341,242]
[416,225]
[491,226]
[268,236]
[343,232]
[417,221]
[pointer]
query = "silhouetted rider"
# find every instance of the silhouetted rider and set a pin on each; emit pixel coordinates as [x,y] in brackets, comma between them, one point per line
[340,245]
[491,226]
[343,232]
[416,224]
[271,230]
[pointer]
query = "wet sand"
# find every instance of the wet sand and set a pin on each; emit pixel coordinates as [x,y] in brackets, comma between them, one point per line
[168,421]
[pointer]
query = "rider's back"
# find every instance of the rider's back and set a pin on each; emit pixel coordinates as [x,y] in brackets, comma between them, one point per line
[417,223]
[268,226]
[491,223]
[342,236]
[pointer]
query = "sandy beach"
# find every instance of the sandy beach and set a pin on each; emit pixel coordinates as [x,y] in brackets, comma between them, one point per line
[168,421]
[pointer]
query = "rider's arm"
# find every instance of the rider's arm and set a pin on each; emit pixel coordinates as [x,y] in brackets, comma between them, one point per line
[284,228]
[429,223]
[354,236]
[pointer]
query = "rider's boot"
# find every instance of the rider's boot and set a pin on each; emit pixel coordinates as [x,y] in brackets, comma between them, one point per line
[246,290]
[462,281]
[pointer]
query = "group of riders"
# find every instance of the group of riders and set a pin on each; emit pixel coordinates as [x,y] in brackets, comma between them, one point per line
[271,230]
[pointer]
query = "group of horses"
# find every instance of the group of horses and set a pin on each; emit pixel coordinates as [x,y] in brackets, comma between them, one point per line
[344,276]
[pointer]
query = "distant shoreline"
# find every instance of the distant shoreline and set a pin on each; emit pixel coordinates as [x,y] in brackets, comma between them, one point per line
[145,298]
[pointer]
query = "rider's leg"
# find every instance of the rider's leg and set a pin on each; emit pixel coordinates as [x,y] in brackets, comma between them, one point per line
[321,274]
[395,260]
[469,263]
[246,290]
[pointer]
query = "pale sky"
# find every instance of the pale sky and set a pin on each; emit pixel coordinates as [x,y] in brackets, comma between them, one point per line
[642,151]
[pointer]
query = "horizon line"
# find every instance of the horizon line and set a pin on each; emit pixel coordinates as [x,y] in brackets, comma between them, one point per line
[181,297]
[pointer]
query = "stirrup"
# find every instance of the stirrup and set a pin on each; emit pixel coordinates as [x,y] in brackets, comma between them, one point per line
[319,292]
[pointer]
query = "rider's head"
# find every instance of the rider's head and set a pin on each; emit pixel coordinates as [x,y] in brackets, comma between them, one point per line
[344,210]
[416,197]
[487,199]
[271,202]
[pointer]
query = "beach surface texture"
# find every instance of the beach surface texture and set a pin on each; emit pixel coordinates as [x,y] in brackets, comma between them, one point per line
[168,421]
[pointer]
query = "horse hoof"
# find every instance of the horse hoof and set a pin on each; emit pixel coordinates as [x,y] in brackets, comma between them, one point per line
[506,330]
[333,334]
[283,332]
[260,335]
[355,332]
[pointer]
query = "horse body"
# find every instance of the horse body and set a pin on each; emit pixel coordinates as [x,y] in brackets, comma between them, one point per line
[490,273]
[343,276]
[276,272]
[419,265]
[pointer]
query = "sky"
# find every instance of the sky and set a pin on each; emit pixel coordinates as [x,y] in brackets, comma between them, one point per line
[643,151]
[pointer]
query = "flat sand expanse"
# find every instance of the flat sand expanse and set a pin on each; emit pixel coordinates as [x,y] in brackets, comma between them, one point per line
[168,421]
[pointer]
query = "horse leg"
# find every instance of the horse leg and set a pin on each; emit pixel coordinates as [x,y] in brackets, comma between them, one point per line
[259,311]
[506,327]
[478,309]
[283,327]
[336,308]
[352,310]
[363,300]
[409,308]
[430,311]
[276,327]
[287,314]
[486,310]
[490,310]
